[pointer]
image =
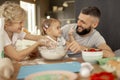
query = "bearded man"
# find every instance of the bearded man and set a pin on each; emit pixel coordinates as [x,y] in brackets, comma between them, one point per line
[84,34]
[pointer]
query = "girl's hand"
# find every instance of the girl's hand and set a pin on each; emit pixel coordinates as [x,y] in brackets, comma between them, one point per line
[47,42]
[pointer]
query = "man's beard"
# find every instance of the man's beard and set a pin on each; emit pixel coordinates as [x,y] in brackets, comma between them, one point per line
[84,31]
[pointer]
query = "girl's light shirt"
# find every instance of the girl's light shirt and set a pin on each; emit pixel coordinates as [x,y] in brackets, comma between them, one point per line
[16,36]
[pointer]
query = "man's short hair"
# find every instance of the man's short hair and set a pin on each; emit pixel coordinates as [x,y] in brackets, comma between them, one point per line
[92,11]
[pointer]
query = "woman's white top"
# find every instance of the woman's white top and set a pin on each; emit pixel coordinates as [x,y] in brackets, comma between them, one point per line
[15,37]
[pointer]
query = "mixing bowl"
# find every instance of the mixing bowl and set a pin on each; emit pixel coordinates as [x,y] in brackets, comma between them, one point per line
[52,54]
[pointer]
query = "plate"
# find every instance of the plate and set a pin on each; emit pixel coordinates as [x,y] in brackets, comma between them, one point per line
[52,75]
[103,61]
[107,67]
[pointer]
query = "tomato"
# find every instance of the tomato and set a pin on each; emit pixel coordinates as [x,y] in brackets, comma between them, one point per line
[92,50]
[102,76]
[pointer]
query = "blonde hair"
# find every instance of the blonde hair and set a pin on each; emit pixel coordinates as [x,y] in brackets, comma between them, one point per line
[12,12]
[47,23]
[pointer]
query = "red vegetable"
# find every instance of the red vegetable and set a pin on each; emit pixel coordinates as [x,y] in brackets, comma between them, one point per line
[92,50]
[102,76]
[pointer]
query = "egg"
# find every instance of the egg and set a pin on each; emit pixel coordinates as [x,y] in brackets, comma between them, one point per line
[86,69]
[85,72]
[6,68]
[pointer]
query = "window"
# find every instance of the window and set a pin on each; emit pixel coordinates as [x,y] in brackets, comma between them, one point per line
[31,16]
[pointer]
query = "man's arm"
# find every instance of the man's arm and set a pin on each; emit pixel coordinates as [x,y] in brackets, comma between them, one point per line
[75,48]
[72,44]
[107,51]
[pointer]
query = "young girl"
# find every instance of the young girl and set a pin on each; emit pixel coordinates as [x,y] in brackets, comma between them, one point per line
[14,21]
[52,30]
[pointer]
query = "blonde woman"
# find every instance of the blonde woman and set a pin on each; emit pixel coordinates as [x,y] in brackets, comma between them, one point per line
[15,17]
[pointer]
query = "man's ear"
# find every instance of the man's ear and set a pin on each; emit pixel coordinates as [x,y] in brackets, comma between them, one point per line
[95,24]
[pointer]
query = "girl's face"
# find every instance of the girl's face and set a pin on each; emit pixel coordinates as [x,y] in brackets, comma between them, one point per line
[54,30]
[14,27]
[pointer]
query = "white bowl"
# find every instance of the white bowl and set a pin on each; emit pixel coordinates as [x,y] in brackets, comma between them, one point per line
[92,56]
[52,54]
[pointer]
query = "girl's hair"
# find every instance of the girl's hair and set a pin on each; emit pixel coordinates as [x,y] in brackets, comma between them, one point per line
[47,23]
[12,12]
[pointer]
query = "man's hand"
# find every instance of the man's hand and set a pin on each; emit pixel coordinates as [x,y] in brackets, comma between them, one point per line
[72,44]
[74,47]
